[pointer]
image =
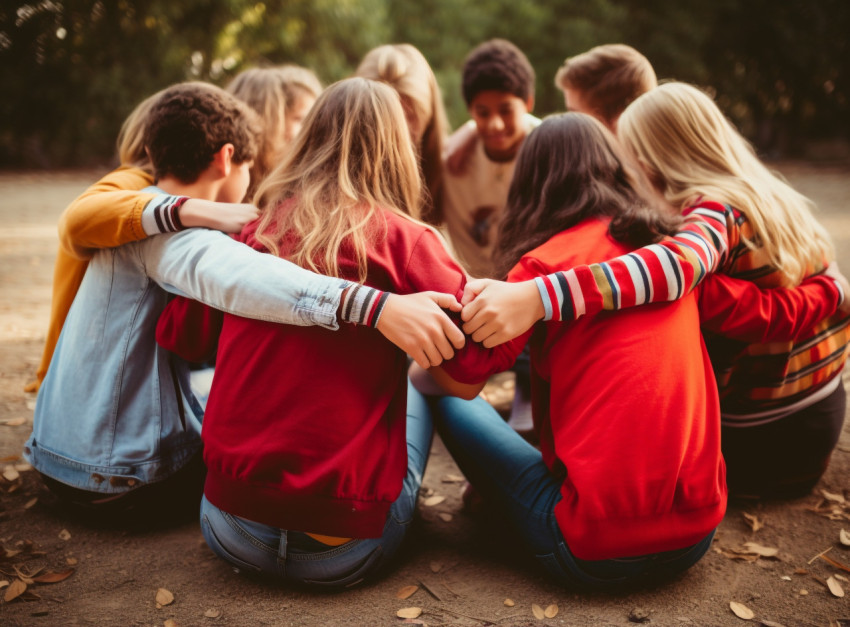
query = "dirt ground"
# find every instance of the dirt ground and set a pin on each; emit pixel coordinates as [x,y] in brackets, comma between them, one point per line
[465,568]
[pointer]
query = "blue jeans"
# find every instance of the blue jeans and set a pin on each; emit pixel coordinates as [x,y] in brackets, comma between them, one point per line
[295,557]
[510,473]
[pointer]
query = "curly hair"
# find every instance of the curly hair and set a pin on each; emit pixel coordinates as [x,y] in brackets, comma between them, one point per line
[190,122]
[497,65]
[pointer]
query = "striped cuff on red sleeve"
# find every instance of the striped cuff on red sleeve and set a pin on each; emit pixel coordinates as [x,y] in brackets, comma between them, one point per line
[556,296]
[363,305]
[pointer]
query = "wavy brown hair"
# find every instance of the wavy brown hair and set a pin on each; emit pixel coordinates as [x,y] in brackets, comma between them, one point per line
[570,168]
[352,158]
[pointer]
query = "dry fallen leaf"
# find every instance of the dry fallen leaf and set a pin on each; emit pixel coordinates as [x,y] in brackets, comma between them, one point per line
[537,611]
[51,577]
[509,603]
[16,589]
[803,592]
[753,520]
[64,535]
[445,516]
[71,561]
[409,612]
[834,587]
[831,496]
[164,597]
[785,578]
[738,555]
[406,592]
[10,474]
[841,578]
[844,537]
[212,613]
[741,610]
[31,502]
[15,422]
[3,584]
[171,623]
[433,500]
[23,467]
[758,549]
[551,611]
[450,478]
[436,567]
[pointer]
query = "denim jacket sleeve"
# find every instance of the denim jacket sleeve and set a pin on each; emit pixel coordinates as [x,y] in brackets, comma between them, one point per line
[216,270]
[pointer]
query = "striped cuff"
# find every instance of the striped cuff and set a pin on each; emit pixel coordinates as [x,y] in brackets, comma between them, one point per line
[363,305]
[556,296]
[162,214]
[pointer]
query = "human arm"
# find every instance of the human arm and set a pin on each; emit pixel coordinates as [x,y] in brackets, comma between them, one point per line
[657,273]
[114,211]
[437,382]
[265,287]
[459,148]
[742,311]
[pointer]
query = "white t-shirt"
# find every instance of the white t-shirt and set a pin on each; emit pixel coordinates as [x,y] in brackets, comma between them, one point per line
[473,204]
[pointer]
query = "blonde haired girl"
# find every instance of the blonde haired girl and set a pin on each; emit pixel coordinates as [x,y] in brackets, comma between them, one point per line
[783,403]
[405,69]
[692,151]
[301,87]
[338,166]
[313,469]
[263,90]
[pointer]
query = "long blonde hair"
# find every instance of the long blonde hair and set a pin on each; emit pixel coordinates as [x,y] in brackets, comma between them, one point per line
[352,158]
[692,151]
[263,90]
[405,69]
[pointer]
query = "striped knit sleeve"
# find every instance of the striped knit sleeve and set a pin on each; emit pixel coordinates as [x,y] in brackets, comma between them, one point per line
[362,305]
[660,272]
[162,214]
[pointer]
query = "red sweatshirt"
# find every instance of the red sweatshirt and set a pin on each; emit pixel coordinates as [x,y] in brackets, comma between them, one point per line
[626,404]
[305,427]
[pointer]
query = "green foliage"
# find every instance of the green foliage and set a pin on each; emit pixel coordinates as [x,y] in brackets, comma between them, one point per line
[73,69]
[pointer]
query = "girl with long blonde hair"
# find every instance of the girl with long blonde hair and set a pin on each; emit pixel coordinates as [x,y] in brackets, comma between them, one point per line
[405,69]
[783,403]
[313,468]
[282,96]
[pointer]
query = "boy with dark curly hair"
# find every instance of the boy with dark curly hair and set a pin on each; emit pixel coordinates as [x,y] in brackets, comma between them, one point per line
[498,87]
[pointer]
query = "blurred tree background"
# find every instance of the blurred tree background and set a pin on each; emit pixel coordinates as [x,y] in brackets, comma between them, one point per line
[73,69]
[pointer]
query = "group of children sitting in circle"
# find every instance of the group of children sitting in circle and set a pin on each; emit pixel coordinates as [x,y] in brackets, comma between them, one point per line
[372,237]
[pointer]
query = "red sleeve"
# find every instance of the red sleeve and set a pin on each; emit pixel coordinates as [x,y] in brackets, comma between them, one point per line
[742,311]
[189,329]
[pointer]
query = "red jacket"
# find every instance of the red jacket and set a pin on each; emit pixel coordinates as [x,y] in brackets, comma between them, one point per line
[626,405]
[305,427]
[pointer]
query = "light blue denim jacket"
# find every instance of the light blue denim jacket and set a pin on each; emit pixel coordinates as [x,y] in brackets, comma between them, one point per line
[115,410]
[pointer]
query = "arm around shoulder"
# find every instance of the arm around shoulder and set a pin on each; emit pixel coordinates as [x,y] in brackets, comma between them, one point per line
[107,214]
